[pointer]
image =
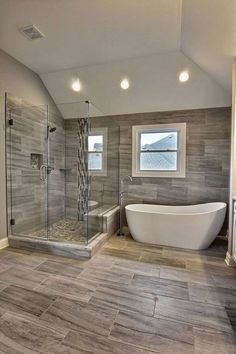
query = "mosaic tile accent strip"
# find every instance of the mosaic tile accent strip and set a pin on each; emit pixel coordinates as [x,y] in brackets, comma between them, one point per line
[82,143]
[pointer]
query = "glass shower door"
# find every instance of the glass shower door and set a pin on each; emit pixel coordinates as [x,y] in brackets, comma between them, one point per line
[27,161]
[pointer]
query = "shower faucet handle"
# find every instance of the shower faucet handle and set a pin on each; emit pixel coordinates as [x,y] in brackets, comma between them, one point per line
[43,172]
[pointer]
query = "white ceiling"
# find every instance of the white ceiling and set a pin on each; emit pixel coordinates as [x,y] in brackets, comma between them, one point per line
[209,36]
[149,41]
[84,32]
[154,85]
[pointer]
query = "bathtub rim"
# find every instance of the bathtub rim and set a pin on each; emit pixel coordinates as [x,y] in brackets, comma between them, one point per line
[222,205]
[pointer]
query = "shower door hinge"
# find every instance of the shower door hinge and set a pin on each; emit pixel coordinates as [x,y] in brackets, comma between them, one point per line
[10,121]
[12,222]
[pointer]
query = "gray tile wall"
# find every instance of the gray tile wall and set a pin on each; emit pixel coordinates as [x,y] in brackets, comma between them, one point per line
[207,169]
[28,195]
[208,158]
[207,166]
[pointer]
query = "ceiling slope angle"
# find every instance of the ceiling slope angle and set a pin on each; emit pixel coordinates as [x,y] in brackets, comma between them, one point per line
[154,85]
[209,36]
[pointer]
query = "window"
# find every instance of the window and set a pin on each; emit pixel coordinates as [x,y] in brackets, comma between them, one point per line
[97,154]
[159,150]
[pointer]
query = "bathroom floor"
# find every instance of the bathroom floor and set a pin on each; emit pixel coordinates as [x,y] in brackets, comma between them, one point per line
[130,298]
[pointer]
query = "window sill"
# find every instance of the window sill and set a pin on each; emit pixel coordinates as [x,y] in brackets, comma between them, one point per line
[149,174]
[98,174]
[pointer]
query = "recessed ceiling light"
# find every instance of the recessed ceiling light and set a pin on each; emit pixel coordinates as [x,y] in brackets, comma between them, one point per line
[76,85]
[124,84]
[184,76]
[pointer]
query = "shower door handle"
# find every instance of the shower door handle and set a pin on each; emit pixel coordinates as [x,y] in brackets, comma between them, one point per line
[43,173]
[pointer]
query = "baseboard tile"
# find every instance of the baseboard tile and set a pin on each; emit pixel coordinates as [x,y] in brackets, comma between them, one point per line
[4,243]
[229,260]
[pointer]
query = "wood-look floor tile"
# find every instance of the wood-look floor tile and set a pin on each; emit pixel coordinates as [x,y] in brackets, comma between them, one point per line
[113,275]
[76,342]
[124,298]
[158,286]
[207,342]
[231,312]
[4,252]
[12,250]
[4,266]
[138,267]
[60,268]
[28,261]
[22,276]
[149,257]
[7,345]
[212,295]
[119,244]
[225,281]
[207,266]
[123,276]
[67,287]
[153,334]
[131,245]
[186,276]
[215,260]
[17,299]
[79,316]
[127,254]
[100,261]
[194,313]
[217,248]
[181,254]
[21,334]
[63,259]
[3,286]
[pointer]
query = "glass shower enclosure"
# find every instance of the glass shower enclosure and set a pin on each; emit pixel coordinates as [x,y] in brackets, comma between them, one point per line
[48,180]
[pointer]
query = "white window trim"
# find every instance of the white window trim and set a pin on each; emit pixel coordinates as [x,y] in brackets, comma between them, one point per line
[103,132]
[137,129]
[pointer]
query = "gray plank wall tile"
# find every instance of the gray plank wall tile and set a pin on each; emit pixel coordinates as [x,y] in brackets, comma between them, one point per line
[208,158]
[207,168]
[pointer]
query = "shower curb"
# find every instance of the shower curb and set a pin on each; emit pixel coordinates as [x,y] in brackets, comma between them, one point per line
[58,248]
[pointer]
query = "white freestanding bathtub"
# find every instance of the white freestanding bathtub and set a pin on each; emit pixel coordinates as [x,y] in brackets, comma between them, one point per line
[194,227]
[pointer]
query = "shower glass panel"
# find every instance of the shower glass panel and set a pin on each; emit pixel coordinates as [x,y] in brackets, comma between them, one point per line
[58,227]
[27,160]
[103,169]
[62,170]
[78,225]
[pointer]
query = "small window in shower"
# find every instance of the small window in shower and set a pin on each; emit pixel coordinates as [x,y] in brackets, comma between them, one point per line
[97,152]
[159,150]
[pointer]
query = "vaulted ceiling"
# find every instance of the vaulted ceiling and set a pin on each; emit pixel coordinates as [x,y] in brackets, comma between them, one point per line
[85,32]
[209,36]
[102,40]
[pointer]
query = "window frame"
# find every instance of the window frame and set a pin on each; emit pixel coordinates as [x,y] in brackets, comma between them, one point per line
[137,130]
[103,132]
